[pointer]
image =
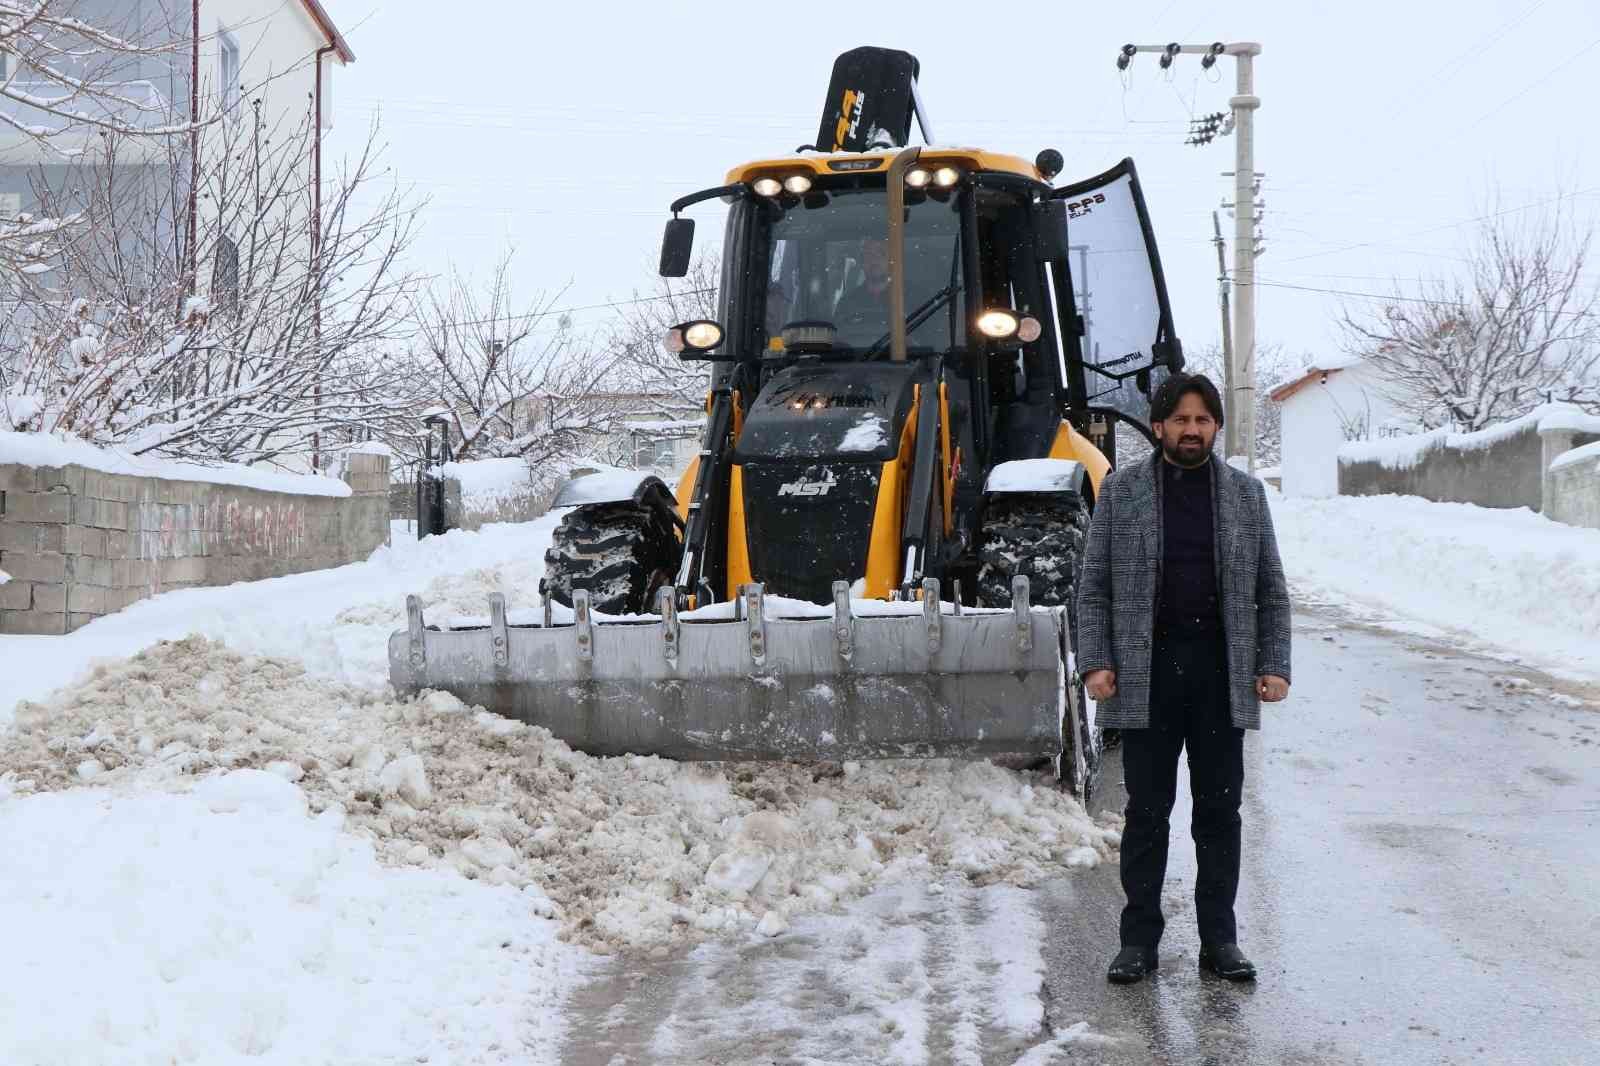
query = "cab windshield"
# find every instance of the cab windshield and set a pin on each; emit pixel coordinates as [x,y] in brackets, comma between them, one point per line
[828,262]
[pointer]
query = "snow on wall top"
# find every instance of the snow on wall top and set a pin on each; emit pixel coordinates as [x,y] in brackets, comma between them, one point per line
[47,449]
[1401,453]
[1567,418]
[1578,455]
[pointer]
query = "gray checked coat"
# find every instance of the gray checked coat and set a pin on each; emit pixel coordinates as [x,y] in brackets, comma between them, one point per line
[1121,579]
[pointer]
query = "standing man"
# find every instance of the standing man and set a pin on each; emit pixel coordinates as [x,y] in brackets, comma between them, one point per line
[1183,630]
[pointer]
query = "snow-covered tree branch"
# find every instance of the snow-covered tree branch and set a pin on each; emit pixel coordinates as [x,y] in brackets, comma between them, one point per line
[512,379]
[642,325]
[1521,328]
[283,351]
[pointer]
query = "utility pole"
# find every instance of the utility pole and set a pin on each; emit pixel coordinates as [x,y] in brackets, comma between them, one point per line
[1230,426]
[1244,102]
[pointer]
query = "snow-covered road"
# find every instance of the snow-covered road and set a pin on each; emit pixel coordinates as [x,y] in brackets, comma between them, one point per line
[207,820]
[1421,836]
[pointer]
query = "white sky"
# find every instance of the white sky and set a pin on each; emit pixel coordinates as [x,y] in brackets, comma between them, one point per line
[1385,127]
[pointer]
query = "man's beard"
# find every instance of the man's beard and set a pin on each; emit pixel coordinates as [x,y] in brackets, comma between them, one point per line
[1187,451]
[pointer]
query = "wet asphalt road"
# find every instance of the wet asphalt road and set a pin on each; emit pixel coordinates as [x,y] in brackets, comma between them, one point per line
[1421,884]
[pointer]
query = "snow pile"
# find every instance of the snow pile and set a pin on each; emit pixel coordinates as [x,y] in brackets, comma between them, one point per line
[1403,453]
[627,853]
[61,449]
[225,925]
[1511,580]
[18,408]
[336,621]
[868,435]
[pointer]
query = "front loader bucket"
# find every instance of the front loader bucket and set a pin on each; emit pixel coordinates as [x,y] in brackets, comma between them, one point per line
[862,682]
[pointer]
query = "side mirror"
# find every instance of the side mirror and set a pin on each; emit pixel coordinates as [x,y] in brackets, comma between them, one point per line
[1050,231]
[677,247]
[1169,354]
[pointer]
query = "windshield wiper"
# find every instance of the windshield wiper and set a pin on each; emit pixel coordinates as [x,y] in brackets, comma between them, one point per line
[917,317]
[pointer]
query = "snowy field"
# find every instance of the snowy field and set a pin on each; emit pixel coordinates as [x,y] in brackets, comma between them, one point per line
[227,841]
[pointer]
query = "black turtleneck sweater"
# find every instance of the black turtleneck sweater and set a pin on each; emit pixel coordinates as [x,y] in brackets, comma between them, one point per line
[1188,603]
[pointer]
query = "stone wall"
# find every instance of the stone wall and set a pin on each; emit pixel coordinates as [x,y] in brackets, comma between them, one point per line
[79,543]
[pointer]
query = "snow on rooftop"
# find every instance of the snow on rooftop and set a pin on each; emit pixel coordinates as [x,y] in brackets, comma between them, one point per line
[59,449]
[1321,365]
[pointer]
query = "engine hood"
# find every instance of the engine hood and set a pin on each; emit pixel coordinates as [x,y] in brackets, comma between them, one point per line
[838,411]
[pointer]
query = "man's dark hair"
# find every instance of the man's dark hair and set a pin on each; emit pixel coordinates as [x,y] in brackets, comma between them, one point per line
[1179,385]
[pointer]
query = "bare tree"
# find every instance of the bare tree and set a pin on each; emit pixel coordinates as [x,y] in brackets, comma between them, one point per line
[1519,329]
[1272,364]
[513,379]
[641,327]
[69,80]
[286,346]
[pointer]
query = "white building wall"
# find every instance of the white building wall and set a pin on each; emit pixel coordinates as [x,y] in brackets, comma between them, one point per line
[1314,426]
[278,42]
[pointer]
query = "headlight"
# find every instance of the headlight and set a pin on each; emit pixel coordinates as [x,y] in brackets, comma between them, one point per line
[918,177]
[767,186]
[998,324]
[945,177]
[799,184]
[1028,329]
[698,336]
[702,335]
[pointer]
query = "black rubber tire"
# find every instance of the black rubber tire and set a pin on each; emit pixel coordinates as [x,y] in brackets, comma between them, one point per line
[1041,536]
[1038,536]
[623,553]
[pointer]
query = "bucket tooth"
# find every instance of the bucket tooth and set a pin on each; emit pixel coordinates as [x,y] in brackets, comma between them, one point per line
[500,636]
[755,625]
[931,617]
[955,597]
[1020,608]
[583,625]
[844,623]
[668,606]
[418,647]
[544,603]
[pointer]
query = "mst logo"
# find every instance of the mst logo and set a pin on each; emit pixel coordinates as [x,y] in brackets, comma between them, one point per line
[803,487]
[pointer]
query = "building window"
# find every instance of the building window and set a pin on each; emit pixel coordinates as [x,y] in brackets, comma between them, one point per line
[225,278]
[228,72]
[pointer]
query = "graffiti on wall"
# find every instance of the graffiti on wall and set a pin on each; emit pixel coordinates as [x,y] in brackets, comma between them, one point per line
[181,530]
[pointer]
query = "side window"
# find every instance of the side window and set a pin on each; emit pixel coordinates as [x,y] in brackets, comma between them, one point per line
[228,70]
[225,278]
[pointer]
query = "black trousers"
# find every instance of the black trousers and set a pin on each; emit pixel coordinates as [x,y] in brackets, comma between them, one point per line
[1188,709]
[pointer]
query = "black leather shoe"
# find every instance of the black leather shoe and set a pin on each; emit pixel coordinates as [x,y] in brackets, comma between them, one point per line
[1226,960]
[1132,964]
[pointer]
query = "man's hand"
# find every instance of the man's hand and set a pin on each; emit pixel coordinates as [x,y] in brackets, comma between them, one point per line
[1272,688]
[1101,684]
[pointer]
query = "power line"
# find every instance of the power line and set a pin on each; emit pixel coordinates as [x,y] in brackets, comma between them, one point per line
[548,311]
[1449,225]
[1397,298]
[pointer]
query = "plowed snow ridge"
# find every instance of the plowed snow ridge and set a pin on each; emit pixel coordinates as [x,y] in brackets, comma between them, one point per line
[626,853]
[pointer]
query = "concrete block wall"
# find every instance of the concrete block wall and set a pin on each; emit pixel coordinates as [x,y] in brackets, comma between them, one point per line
[1507,472]
[79,543]
[1571,490]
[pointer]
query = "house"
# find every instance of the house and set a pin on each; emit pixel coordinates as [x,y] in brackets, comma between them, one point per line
[274,58]
[1330,402]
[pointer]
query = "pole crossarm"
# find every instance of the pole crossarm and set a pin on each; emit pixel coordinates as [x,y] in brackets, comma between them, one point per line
[1241,360]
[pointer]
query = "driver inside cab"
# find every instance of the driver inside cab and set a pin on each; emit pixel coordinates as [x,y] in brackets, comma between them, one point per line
[862,314]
